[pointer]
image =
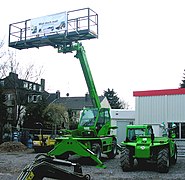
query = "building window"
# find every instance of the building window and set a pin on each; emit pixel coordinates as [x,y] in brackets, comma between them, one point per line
[25,85]
[180,130]
[34,87]
[34,98]
[2,83]
[30,86]
[40,88]
[176,130]
[30,98]
[9,97]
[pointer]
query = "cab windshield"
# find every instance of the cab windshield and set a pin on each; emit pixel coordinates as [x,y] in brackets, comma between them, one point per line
[88,117]
[133,133]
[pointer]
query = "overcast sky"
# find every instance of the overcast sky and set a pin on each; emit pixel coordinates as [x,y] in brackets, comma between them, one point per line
[141,45]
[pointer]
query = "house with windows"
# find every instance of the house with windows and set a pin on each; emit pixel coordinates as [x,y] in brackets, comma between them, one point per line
[78,102]
[162,106]
[19,92]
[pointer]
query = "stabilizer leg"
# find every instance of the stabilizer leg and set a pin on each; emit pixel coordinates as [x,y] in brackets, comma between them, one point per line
[73,145]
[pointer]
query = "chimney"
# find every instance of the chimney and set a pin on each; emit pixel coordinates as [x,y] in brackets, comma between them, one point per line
[42,82]
[86,97]
[57,94]
[13,76]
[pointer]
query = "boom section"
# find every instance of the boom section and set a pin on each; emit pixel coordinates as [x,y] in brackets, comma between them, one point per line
[81,55]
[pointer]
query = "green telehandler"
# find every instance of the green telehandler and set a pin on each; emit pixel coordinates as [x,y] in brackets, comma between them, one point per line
[142,145]
[93,135]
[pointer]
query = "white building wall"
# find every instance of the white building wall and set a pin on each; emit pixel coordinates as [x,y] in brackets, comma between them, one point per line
[121,118]
[176,108]
[158,109]
[166,106]
[105,103]
[150,109]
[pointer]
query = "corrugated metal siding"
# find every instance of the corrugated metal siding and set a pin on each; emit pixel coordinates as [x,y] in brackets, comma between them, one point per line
[158,109]
[150,109]
[176,108]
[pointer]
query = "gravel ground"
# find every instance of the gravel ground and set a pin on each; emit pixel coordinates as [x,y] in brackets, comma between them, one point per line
[11,164]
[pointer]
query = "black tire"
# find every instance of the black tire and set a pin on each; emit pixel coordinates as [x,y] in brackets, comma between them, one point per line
[126,160]
[113,152]
[96,149]
[87,177]
[163,161]
[174,157]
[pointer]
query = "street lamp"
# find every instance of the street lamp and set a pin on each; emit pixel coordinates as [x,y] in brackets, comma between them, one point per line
[41,133]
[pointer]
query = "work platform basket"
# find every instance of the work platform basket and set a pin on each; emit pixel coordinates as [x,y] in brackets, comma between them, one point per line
[54,30]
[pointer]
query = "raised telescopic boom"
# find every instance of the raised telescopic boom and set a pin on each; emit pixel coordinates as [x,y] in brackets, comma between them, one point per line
[64,31]
[81,55]
[92,137]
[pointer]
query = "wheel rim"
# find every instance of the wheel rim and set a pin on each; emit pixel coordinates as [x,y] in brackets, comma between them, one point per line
[97,151]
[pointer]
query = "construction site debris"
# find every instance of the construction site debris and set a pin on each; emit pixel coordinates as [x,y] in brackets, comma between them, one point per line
[12,146]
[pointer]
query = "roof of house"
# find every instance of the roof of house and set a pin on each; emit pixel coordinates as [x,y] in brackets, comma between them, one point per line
[162,92]
[51,97]
[73,102]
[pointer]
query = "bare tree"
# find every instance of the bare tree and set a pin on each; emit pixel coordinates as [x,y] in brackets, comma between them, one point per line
[9,63]
[1,46]
[124,104]
[3,64]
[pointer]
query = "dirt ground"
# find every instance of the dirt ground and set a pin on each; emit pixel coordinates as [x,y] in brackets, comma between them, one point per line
[13,162]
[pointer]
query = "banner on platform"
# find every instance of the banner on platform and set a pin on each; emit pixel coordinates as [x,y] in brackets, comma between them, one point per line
[49,24]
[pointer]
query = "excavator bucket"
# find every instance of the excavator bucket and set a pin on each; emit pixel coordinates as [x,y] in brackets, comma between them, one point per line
[46,167]
[73,146]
